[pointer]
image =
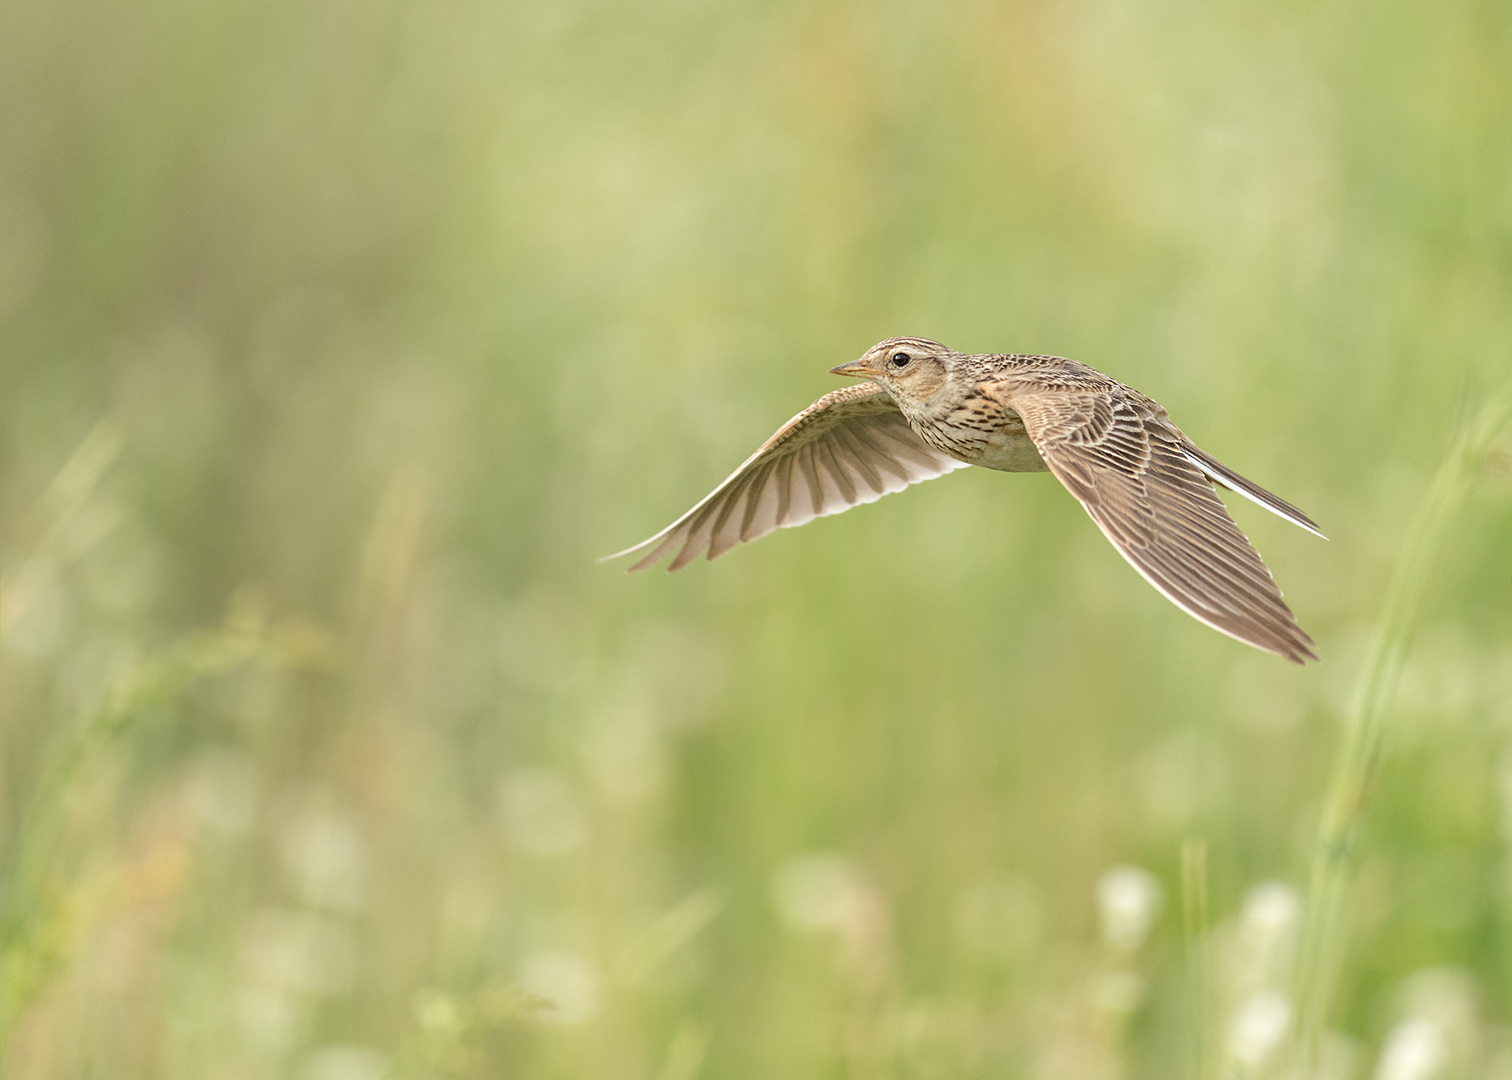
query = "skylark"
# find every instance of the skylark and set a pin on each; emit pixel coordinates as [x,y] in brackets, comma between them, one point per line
[926,410]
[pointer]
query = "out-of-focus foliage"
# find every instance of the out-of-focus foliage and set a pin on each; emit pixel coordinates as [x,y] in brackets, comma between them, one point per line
[336,340]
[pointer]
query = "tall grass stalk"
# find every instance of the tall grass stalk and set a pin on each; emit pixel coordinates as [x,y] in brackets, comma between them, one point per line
[1359,758]
[43,908]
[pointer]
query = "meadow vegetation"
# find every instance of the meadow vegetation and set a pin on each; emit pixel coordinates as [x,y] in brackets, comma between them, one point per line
[338,340]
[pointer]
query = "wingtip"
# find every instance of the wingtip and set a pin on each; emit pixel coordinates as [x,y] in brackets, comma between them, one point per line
[602,559]
[1300,648]
[633,567]
[1296,517]
[1226,478]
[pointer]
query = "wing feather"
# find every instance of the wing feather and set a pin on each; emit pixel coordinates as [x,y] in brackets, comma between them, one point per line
[813,482]
[761,506]
[841,474]
[851,446]
[880,458]
[1227,478]
[856,459]
[1135,474]
[783,482]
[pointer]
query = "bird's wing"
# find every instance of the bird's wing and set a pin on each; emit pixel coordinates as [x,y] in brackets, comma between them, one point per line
[1129,467]
[1229,480]
[851,446]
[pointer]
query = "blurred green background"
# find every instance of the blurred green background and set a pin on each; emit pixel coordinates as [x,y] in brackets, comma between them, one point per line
[338,339]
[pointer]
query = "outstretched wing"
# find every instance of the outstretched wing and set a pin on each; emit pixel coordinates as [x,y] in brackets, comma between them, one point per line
[851,446]
[1131,469]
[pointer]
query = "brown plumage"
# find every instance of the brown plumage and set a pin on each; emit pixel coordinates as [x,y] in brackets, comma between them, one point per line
[927,410]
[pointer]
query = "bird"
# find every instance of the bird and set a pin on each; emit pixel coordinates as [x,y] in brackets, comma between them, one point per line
[923,410]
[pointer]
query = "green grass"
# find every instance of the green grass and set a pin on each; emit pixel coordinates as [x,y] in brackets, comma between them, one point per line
[1366,734]
[336,342]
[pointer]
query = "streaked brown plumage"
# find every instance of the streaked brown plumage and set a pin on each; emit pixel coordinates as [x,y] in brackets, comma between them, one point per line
[927,410]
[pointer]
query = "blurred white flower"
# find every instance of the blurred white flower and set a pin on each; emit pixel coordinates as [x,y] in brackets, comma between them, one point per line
[540,813]
[1264,938]
[568,982]
[1259,1026]
[1415,1050]
[343,1063]
[1440,1000]
[301,951]
[1271,909]
[326,859]
[1128,899]
[818,891]
[826,891]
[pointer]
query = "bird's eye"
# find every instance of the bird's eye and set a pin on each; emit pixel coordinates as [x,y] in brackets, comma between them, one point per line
[900,359]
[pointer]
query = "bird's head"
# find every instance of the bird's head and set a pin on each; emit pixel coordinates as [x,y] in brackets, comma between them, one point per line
[912,370]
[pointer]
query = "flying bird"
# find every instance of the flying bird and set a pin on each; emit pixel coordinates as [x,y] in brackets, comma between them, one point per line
[925,410]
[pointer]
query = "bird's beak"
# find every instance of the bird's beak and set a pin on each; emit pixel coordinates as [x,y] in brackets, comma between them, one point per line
[856,369]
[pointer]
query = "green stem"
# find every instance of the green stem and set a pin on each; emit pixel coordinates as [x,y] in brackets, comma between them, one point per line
[1357,767]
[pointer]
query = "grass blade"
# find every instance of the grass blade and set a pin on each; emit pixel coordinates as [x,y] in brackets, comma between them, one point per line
[1358,764]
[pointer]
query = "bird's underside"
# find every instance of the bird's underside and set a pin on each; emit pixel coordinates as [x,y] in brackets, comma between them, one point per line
[1148,488]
